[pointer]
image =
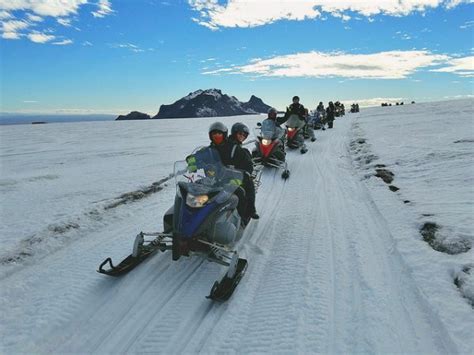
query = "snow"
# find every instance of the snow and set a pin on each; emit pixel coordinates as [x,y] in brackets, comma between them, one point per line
[193,95]
[337,263]
[211,92]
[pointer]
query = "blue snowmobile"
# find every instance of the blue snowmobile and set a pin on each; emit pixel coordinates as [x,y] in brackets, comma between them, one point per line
[203,221]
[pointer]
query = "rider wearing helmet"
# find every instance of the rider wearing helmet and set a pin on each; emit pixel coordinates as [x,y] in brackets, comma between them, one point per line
[272,115]
[296,109]
[232,154]
[217,133]
[242,159]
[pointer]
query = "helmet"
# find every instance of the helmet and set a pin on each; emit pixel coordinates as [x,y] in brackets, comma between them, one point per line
[217,127]
[239,127]
[296,98]
[272,111]
[321,103]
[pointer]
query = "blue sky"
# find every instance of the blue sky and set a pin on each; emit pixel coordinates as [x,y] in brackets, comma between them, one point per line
[99,56]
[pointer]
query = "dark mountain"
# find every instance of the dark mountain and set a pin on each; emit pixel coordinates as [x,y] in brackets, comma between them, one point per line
[211,103]
[134,115]
[256,104]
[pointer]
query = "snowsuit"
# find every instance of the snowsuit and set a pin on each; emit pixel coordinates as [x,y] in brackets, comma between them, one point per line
[330,115]
[232,153]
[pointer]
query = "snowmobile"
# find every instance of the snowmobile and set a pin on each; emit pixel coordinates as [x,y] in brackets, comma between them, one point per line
[294,135]
[318,120]
[203,221]
[269,147]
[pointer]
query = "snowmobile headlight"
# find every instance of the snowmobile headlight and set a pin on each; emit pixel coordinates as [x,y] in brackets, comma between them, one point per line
[266,141]
[196,201]
[291,129]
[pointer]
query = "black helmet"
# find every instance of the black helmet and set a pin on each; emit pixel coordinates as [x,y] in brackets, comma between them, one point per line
[219,127]
[320,102]
[239,127]
[296,98]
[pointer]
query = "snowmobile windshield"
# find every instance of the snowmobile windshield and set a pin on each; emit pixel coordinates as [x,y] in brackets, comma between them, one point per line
[295,122]
[269,130]
[203,172]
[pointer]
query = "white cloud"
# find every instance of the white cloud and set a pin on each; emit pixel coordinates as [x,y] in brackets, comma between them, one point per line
[4,15]
[454,3]
[245,13]
[66,22]
[129,46]
[14,26]
[38,37]
[32,12]
[251,13]
[63,42]
[87,43]
[11,35]
[467,24]
[52,8]
[383,65]
[34,18]
[104,9]
[460,66]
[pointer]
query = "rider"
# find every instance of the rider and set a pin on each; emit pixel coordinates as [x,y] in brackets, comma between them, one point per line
[295,109]
[330,114]
[298,109]
[242,159]
[280,132]
[233,154]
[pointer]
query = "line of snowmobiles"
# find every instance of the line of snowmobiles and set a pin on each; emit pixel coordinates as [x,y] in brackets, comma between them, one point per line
[204,219]
[271,141]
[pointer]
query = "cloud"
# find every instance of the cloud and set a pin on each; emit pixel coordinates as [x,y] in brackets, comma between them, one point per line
[382,65]
[14,26]
[43,7]
[460,66]
[252,13]
[467,24]
[34,18]
[11,35]
[66,22]
[129,46]
[63,42]
[39,37]
[245,13]
[104,9]
[4,15]
[31,13]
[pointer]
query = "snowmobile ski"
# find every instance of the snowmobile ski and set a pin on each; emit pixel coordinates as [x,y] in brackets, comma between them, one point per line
[221,291]
[141,252]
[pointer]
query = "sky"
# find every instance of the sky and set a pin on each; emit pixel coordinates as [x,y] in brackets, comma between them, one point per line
[107,56]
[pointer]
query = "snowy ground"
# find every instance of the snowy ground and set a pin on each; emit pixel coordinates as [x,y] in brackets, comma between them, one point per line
[337,263]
